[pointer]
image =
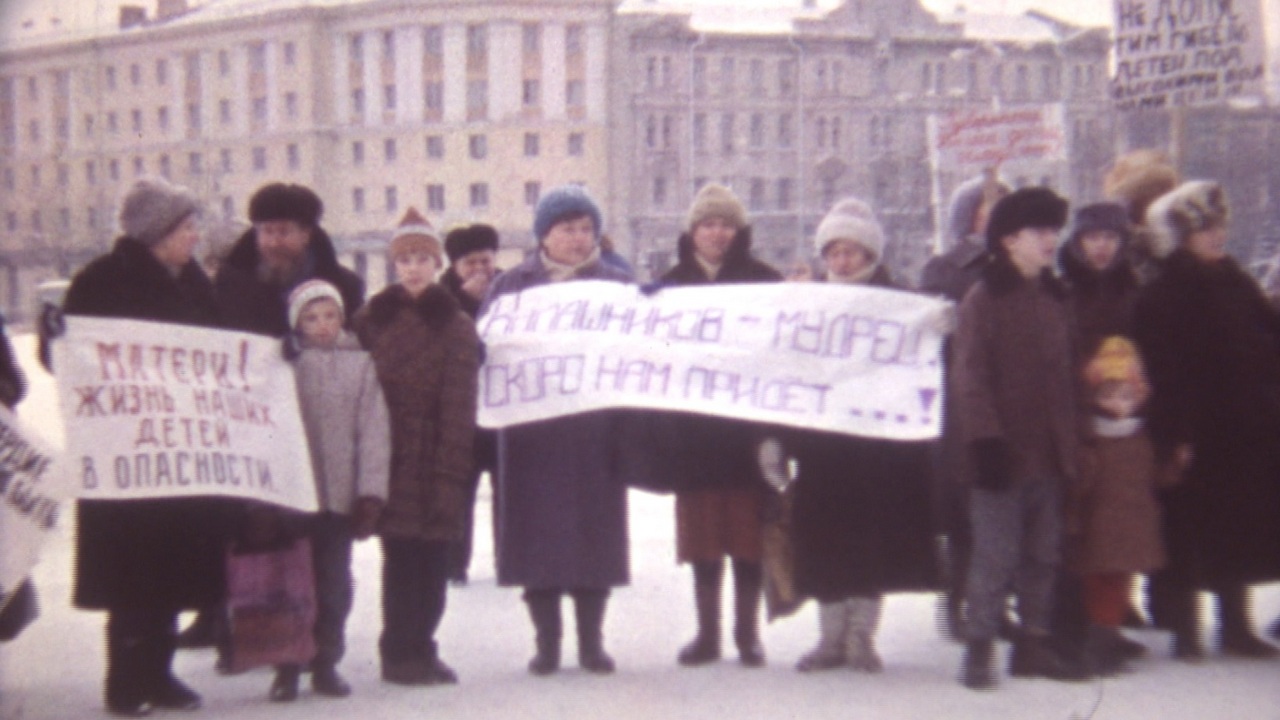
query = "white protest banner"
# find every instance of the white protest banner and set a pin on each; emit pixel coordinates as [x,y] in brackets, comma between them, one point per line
[1187,52]
[159,410]
[969,141]
[855,360]
[32,489]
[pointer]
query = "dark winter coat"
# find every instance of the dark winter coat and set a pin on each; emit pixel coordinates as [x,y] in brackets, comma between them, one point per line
[450,281]
[562,508]
[1014,372]
[951,274]
[248,302]
[1113,516]
[427,356]
[486,441]
[1212,347]
[165,552]
[720,492]
[861,521]
[1101,302]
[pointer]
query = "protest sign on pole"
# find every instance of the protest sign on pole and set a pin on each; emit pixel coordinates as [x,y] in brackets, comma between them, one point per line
[159,410]
[847,359]
[33,486]
[1184,53]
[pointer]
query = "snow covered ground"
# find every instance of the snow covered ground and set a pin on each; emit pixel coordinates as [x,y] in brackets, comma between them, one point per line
[54,670]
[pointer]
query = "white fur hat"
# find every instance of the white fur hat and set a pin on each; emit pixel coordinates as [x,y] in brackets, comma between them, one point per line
[1192,206]
[851,219]
[307,292]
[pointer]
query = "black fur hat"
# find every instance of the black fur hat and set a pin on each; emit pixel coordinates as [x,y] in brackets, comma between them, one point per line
[464,240]
[1033,207]
[279,201]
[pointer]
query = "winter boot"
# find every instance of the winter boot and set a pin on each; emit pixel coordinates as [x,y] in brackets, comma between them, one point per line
[130,674]
[1236,636]
[544,610]
[748,581]
[705,648]
[976,670]
[833,624]
[864,619]
[1035,657]
[1102,651]
[284,688]
[1180,610]
[326,681]
[589,608]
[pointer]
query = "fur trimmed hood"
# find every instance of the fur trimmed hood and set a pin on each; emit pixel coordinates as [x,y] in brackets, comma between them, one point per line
[436,305]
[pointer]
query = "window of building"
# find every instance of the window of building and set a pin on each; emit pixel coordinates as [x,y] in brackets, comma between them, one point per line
[162,118]
[531,144]
[433,96]
[532,191]
[577,144]
[109,75]
[433,41]
[64,218]
[224,111]
[757,130]
[62,128]
[91,172]
[162,71]
[573,39]
[757,77]
[37,221]
[477,42]
[784,193]
[435,198]
[390,196]
[477,99]
[225,155]
[389,46]
[91,218]
[479,195]
[195,163]
[259,158]
[88,126]
[135,120]
[820,77]
[531,34]
[33,131]
[113,169]
[193,116]
[357,200]
[228,206]
[260,109]
[926,78]
[35,176]
[135,74]
[478,147]
[530,93]
[224,63]
[667,131]
[290,53]
[389,150]
[700,131]
[699,75]
[786,77]
[166,167]
[389,97]
[257,57]
[835,133]
[9,180]
[355,48]
[651,73]
[291,105]
[1022,83]
[292,157]
[726,133]
[728,73]
[357,152]
[357,102]
[1048,82]
[11,221]
[113,124]
[64,175]
[435,147]
[139,165]
[659,191]
[650,132]
[575,94]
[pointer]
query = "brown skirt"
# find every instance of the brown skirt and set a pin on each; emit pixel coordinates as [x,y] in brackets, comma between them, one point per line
[711,524]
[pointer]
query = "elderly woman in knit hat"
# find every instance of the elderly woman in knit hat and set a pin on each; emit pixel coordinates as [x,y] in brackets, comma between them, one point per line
[144,561]
[1212,345]
[562,508]
[860,520]
[426,354]
[720,492]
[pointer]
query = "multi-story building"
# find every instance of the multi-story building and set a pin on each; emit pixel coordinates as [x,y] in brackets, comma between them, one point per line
[807,102]
[464,110]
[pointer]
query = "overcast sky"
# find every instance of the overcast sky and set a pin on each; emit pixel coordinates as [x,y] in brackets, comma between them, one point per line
[1090,12]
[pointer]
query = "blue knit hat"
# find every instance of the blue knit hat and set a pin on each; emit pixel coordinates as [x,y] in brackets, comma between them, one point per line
[561,202]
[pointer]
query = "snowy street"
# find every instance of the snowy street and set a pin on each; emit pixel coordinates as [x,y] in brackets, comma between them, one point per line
[54,670]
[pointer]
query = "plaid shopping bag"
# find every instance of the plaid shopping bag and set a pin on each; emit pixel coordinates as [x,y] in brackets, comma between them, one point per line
[272,606]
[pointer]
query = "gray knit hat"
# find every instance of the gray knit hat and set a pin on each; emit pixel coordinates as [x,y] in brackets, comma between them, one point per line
[153,207]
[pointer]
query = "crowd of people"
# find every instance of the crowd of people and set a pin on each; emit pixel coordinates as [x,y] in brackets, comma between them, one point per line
[1112,411]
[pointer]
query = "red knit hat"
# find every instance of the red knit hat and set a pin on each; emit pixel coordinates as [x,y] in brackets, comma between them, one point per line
[415,234]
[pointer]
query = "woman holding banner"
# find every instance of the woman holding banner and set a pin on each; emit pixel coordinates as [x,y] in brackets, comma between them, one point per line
[861,522]
[562,509]
[720,493]
[144,561]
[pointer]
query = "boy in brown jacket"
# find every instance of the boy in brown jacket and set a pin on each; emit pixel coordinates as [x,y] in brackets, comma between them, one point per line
[1015,402]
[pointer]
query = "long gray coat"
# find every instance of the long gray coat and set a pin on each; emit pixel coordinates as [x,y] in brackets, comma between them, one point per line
[562,509]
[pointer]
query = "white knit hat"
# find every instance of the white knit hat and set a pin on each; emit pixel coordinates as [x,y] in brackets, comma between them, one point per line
[851,219]
[308,291]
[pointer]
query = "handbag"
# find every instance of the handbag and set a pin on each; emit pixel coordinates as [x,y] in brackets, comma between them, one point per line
[271,606]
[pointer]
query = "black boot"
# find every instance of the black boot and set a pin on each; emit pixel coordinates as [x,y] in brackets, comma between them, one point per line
[748,581]
[589,607]
[284,688]
[1103,651]
[544,610]
[1035,657]
[976,670]
[1180,609]
[326,681]
[1236,635]
[705,648]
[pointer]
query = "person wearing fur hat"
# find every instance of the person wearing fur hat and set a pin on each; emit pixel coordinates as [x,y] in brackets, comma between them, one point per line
[427,356]
[345,418]
[1015,402]
[860,521]
[720,492]
[950,275]
[1212,345]
[144,561]
[561,473]
[1135,180]
[285,247]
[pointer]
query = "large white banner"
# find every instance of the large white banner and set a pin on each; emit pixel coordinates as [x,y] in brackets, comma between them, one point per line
[855,360]
[33,487]
[159,410]
[1187,52]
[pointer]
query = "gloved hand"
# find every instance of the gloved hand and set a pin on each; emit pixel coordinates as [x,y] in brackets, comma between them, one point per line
[364,517]
[650,289]
[991,459]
